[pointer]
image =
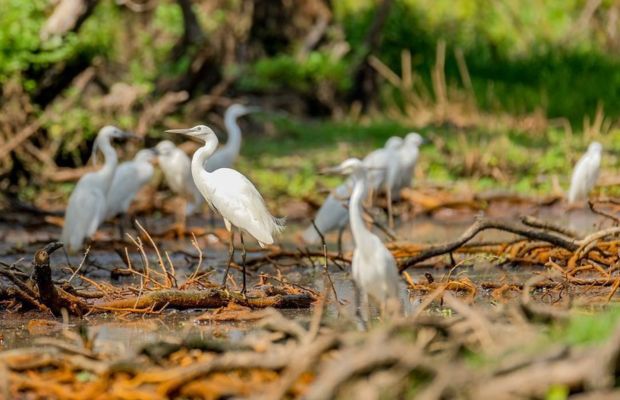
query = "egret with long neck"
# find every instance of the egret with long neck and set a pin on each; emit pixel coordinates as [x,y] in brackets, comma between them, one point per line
[233,196]
[373,266]
[87,204]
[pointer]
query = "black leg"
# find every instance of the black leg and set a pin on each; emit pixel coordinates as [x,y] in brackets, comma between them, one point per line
[243,254]
[340,232]
[231,253]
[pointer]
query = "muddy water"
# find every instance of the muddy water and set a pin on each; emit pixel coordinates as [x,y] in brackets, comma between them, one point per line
[21,236]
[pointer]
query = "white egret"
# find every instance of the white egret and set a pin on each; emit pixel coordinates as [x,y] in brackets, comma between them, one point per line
[373,266]
[226,156]
[87,203]
[408,157]
[129,178]
[176,167]
[233,196]
[384,163]
[585,173]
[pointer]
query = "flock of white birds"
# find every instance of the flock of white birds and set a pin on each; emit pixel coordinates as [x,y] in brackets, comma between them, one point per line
[208,176]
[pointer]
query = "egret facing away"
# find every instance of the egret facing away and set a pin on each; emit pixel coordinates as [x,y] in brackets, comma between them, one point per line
[226,156]
[408,157]
[585,173]
[384,166]
[373,266]
[176,167]
[129,178]
[87,203]
[233,196]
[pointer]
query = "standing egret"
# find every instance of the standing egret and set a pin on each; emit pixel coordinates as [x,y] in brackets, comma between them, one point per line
[373,266]
[87,204]
[129,178]
[408,157]
[585,173]
[233,196]
[176,167]
[226,156]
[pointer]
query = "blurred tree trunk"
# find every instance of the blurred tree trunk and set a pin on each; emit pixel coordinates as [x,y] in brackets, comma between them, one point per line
[364,87]
[204,70]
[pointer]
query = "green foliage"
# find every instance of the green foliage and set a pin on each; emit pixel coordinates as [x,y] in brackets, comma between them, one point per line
[286,71]
[22,49]
[589,328]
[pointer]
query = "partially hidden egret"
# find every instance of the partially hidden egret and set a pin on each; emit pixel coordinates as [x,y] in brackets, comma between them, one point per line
[585,173]
[373,266]
[87,204]
[129,178]
[233,196]
[176,166]
[408,157]
[226,155]
[333,214]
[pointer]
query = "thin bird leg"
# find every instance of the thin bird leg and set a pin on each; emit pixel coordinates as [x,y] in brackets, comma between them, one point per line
[388,194]
[231,253]
[243,254]
[357,292]
[340,232]
[124,222]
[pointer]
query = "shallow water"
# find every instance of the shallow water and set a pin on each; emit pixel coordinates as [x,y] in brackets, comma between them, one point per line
[112,334]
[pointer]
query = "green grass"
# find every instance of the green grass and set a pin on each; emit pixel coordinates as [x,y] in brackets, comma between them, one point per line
[285,164]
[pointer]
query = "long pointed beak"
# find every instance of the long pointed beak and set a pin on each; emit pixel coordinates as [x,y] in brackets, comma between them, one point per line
[186,131]
[131,135]
[330,171]
[252,110]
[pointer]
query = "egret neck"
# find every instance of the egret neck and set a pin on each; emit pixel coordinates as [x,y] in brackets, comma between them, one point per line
[358,228]
[111,160]
[202,155]
[233,144]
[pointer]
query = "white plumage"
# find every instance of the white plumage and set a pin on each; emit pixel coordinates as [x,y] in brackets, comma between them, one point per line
[373,266]
[408,157]
[231,194]
[585,173]
[87,203]
[176,167]
[129,178]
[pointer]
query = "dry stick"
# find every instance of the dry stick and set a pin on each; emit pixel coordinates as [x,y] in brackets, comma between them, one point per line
[615,219]
[159,258]
[329,278]
[537,223]
[485,224]
[79,266]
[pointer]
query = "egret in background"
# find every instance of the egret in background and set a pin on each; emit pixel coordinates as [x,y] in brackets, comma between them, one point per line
[585,173]
[87,204]
[373,266]
[333,213]
[175,165]
[129,178]
[226,156]
[384,165]
[408,157]
[233,196]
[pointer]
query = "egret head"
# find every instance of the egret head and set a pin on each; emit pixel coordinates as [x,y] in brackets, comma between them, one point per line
[165,148]
[106,135]
[394,142]
[347,167]
[201,132]
[237,110]
[595,147]
[414,139]
[145,155]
